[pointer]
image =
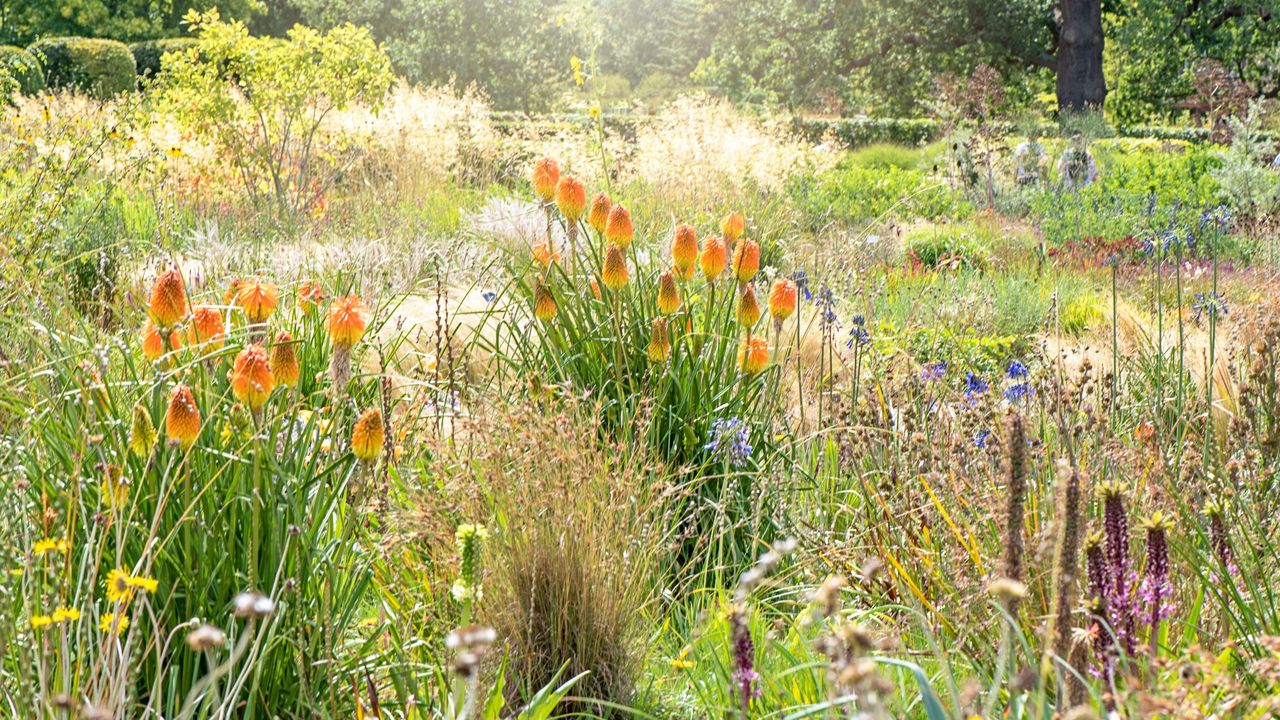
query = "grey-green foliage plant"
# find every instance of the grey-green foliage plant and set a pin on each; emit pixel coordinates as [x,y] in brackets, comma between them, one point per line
[1248,180]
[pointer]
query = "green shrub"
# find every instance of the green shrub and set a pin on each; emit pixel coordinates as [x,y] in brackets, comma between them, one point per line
[23,67]
[884,155]
[852,193]
[946,247]
[102,68]
[149,54]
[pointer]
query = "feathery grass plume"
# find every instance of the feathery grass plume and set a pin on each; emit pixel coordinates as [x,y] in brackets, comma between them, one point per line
[614,273]
[545,253]
[571,199]
[310,295]
[1115,523]
[368,435]
[782,299]
[168,304]
[598,215]
[617,229]
[714,258]
[546,174]
[346,325]
[142,432]
[668,295]
[153,345]
[746,260]
[748,307]
[182,419]
[1219,541]
[207,327]
[470,541]
[753,355]
[659,342]
[251,378]
[1015,500]
[732,227]
[1156,590]
[258,300]
[1066,563]
[544,304]
[284,360]
[684,251]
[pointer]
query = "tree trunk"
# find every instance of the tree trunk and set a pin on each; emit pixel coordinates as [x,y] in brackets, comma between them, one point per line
[1080,82]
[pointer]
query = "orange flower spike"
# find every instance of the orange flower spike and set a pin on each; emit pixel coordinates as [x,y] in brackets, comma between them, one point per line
[753,355]
[782,299]
[733,225]
[714,257]
[544,305]
[182,419]
[233,291]
[614,274]
[257,299]
[684,251]
[746,260]
[668,295]
[284,360]
[748,308]
[595,288]
[168,299]
[368,436]
[346,321]
[598,216]
[310,295]
[545,253]
[153,342]
[206,327]
[251,378]
[571,198]
[617,229]
[659,342]
[546,173]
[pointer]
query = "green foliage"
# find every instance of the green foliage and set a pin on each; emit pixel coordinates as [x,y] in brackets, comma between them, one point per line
[24,21]
[149,54]
[102,68]
[887,155]
[1250,185]
[263,101]
[949,247]
[853,193]
[23,67]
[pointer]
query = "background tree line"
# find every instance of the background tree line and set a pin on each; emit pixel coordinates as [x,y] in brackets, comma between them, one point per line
[847,57]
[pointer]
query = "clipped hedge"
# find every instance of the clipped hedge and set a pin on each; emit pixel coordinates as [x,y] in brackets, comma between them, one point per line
[23,67]
[102,68]
[148,55]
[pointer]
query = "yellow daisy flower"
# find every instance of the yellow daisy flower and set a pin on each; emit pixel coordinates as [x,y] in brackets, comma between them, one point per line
[39,621]
[112,623]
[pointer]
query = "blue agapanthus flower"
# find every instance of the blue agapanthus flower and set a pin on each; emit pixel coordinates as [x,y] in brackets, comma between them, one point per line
[934,372]
[1016,393]
[974,385]
[1017,371]
[1211,304]
[729,440]
[801,279]
[858,334]
[980,440]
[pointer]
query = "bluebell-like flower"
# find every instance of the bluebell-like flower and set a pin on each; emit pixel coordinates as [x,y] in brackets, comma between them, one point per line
[1211,304]
[980,440]
[934,372]
[1017,392]
[488,295]
[729,440]
[801,279]
[858,334]
[974,385]
[1017,371]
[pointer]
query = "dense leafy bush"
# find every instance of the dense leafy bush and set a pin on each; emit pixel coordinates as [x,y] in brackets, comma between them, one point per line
[854,193]
[149,54]
[102,68]
[945,247]
[886,155]
[23,67]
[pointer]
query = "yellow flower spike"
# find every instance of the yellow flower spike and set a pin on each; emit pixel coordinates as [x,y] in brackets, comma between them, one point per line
[546,174]
[713,259]
[251,378]
[748,308]
[614,274]
[168,299]
[544,304]
[618,229]
[598,216]
[368,435]
[659,342]
[746,260]
[668,295]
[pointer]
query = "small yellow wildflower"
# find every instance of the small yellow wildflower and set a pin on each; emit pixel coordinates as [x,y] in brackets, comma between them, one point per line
[120,585]
[112,623]
[681,661]
[39,621]
[63,614]
[49,545]
[143,583]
